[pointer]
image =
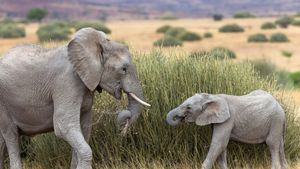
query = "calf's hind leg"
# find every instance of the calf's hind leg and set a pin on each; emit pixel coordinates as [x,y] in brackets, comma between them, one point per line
[274,140]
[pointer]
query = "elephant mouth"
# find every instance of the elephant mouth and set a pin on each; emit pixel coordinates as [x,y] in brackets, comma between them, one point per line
[180,117]
[183,118]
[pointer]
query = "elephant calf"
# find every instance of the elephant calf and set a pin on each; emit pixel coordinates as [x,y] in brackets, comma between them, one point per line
[253,118]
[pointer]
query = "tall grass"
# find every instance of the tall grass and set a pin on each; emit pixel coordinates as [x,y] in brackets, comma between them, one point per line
[167,80]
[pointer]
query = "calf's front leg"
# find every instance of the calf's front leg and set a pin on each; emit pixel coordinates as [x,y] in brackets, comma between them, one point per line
[220,139]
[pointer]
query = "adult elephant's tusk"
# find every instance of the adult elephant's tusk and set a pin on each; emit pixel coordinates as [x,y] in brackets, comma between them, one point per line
[139,100]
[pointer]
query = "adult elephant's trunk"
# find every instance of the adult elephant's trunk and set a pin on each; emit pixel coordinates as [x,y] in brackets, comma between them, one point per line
[133,89]
[174,117]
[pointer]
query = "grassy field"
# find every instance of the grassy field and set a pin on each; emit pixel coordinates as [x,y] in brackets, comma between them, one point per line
[212,76]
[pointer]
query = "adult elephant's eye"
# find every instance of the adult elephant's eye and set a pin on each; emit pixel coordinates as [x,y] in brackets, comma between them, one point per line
[124,69]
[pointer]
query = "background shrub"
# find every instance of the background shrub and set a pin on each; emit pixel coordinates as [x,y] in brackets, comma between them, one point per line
[11,30]
[222,53]
[167,41]
[284,21]
[208,35]
[259,37]
[55,31]
[268,70]
[296,23]
[96,25]
[175,31]
[167,81]
[244,15]
[217,17]
[268,25]
[163,29]
[231,28]
[188,36]
[278,37]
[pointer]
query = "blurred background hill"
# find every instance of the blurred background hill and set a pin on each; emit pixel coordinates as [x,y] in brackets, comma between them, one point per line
[145,9]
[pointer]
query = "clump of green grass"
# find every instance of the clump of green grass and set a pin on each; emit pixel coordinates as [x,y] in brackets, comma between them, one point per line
[268,25]
[295,76]
[231,28]
[208,35]
[167,80]
[279,37]
[9,29]
[259,37]
[189,36]
[163,29]
[286,53]
[167,41]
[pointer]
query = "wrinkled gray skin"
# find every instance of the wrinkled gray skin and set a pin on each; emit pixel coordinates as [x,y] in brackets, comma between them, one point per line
[253,118]
[43,90]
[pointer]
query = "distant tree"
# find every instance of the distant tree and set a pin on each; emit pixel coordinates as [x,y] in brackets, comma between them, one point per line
[37,14]
[217,17]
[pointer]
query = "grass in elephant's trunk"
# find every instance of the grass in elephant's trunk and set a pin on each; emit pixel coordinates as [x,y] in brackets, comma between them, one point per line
[151,142]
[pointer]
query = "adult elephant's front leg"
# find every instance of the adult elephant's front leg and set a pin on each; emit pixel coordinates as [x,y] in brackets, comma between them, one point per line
[222,161]
[86,128]
[67,126]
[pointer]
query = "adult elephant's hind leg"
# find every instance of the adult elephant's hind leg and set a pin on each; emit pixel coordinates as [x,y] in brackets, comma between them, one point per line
[67,126]
[2,151]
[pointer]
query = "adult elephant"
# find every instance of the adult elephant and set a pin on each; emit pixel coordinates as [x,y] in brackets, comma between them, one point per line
[42,90]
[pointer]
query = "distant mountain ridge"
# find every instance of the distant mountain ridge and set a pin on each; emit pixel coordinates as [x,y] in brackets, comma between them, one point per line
[145,9]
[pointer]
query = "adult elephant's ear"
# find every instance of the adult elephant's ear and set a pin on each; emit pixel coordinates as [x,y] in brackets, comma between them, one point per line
[215,110]
[85,53]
